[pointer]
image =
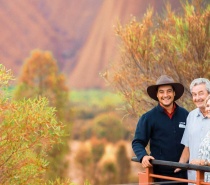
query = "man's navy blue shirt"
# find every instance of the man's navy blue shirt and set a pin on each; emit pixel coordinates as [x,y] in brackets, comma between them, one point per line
[164,134]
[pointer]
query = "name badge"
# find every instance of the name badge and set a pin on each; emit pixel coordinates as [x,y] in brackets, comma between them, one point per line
[182,124]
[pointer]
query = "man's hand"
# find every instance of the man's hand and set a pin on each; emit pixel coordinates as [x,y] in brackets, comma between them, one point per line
[145,161]
[177,170]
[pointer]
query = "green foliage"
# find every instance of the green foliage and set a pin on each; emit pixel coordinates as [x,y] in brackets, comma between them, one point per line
[123,163]
[5,76]
[84,161]
[109,173]
[102,162]
[97,149]
[65,182]
[59,181]
[28,130]
[105,125]
[89,163]
[57,159]
[88,106]
[40,77]
[87,182]
[174,44]
[95,98]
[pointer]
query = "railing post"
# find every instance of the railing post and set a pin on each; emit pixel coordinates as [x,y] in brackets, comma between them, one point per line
[199,177]
[144,177]
[147,177]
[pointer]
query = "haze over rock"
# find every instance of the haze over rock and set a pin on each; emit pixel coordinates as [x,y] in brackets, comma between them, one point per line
[79,33]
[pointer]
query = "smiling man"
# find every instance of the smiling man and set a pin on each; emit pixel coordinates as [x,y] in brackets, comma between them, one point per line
[163,126]
[197,123]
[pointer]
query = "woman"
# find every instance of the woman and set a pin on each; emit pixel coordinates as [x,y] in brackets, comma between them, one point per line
[204,150]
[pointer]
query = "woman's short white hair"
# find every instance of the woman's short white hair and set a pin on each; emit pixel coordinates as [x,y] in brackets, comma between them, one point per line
[199,81]
[207,99]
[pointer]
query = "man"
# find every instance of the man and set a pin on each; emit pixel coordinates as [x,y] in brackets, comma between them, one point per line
[197,123]
[163,126]
[204,148]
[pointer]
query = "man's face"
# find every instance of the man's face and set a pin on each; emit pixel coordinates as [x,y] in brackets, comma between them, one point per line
[199,94]
[165,95]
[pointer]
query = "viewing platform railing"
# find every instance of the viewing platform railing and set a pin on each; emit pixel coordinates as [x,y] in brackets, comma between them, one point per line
[147,177]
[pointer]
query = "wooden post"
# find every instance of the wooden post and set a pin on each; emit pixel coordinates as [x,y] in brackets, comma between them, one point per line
[199,177]
[147,177]
[144,177]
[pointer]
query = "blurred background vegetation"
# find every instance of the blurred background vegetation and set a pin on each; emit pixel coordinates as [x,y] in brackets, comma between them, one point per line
[53,134]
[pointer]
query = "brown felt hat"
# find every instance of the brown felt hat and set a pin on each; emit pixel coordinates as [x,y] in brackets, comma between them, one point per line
[165,80]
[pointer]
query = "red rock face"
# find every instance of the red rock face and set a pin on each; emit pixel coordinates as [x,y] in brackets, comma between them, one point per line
[80,34]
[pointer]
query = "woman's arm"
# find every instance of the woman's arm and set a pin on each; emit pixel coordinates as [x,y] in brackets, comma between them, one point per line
[184,158]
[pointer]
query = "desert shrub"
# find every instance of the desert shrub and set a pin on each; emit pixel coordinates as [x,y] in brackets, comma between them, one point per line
[29,129]
[108,126]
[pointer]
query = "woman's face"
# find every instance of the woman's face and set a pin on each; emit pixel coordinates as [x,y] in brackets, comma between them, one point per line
[208,108]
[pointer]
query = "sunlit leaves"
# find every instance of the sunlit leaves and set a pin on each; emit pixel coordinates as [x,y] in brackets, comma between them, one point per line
[40,77]
[176,44]
[5,76]
[28,130]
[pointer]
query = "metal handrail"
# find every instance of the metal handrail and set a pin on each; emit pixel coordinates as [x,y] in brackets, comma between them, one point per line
[147,177]
[185,166]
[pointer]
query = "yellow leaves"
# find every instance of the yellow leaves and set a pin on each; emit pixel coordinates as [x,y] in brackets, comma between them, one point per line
[175,44]
[61,83]
[40,77]
[35,54]
[189,8]
[5,76]
[28,129]
[48,55]
[134,32]
[29,125]
[39,63]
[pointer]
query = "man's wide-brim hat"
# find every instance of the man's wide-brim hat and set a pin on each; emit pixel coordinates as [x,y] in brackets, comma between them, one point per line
[165,80]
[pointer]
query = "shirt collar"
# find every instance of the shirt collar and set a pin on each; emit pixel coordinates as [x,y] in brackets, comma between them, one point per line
[169,114]
[199,113]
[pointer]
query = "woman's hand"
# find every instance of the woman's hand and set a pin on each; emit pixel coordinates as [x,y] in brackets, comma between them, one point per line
[198,162]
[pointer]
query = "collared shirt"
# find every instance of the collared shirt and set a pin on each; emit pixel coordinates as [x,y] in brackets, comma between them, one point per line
[170,115]
[196,129]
